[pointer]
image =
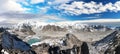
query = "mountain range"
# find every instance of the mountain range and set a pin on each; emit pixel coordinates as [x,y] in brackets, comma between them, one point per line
[33,37]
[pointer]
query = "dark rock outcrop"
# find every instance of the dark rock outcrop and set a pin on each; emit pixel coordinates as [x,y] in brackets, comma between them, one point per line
[117,28]
[117,50]
[93,28]
[46,49]
[14,45]
[84,48]
[109,45]
[41,48]
[2,29]
[1,49]
[70,40]
[74,50]
[71,45]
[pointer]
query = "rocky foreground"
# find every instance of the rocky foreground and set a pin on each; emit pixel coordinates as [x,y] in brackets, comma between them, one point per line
[70,44]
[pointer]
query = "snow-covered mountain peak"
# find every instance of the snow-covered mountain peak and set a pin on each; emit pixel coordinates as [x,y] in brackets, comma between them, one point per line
[66,26]
[75,24]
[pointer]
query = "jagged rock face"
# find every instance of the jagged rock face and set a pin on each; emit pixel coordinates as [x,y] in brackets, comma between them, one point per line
[117,50]
[115,46]
[57,50]
[108,45]
[74,50]
[71,45]
[93,28]
[13,45]
[2,29]
[0,49]
[117,28]
[46,49]
[71,40]
[41,49]
[26,29]
[84,48]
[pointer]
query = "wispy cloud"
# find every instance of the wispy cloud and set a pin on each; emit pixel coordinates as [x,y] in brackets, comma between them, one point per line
[37,1]
[51,2]
[54,2]
[101,21]
[16,17]
[41,6]
[12,11]
[80,7]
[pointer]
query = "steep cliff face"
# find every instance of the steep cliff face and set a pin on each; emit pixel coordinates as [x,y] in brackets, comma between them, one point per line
[26,29]
[114,47]
[109,44]
[41,48]
[1,49]
[13,45]
[117,50]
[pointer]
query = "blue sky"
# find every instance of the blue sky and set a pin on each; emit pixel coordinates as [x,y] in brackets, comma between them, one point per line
[59,10]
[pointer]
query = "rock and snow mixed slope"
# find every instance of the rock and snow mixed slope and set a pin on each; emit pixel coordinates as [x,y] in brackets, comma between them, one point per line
[69,26]
[59,29]
[41,25]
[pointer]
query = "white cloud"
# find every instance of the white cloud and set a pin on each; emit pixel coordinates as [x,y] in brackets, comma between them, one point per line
[37,1]
[43,9]
[51,2]
[77,8]
[47,4]
[10,5]
[2,19]
[60,1]
[17,17]
[101,20]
